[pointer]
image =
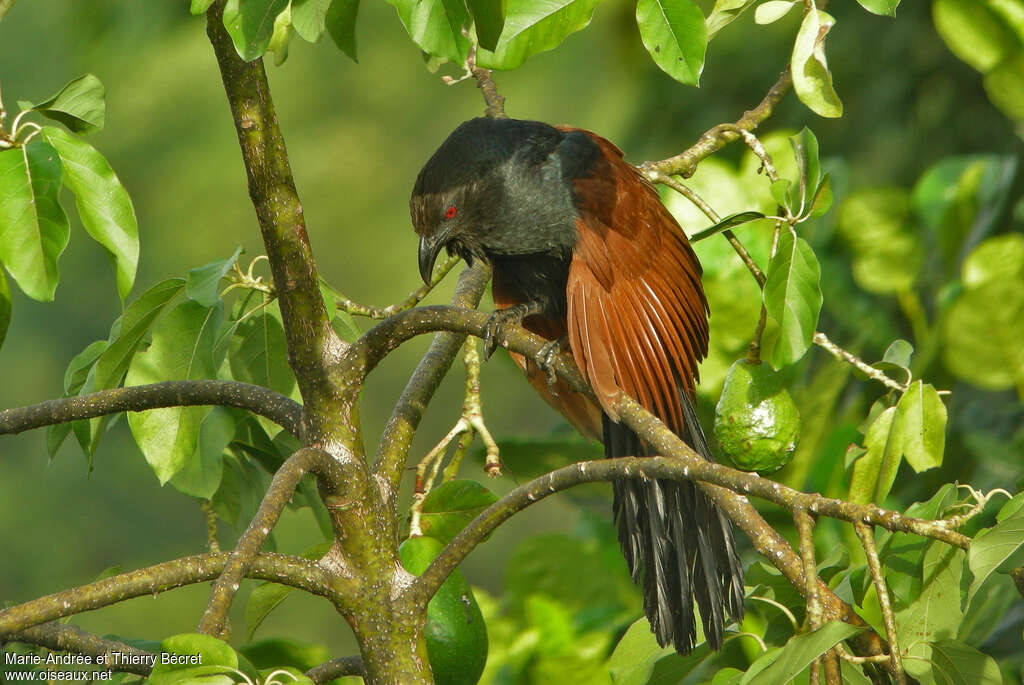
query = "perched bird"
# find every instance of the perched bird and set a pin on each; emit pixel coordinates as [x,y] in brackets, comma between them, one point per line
[582,249]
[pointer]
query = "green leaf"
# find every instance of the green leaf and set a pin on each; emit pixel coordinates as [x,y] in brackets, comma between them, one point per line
[886,254]
[33,228]
[936,612]
[448,508]
[885,8]
[982,333]
[780,193]
[201,475]
[874,473]
[812,80]
[674,34]
[799,652]
[991,547]
[309,18]
[728,222]
[103,203]
[182,349]
[532,27]
[260,354]
[341,25]
[129,330]
[822,200]
[489,19]
[1004,85]
[996,259]
[805,152]
[436,26]
[200,6]
[281,37]
[922,426]
[265,598]
[724,13]
[277,653]
[793,297]
[5,306]
[974,32]
[213,655]
[74,378]
[250,23]
[79,105]
[203,282]
[897,356]
[960,664]
[638,655]
[773,10]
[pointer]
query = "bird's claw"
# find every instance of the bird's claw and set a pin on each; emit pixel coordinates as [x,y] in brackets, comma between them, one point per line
[546,363]
[493,328]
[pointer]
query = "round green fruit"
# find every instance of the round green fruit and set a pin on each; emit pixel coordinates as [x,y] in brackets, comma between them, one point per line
[455,630]
[756,421]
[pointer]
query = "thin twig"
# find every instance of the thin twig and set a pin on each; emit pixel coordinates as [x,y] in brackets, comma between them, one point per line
[409,302]
[210,515]
[280,492]
[805,529]
[839,353]
[717,137]
[867,540]
[494,100]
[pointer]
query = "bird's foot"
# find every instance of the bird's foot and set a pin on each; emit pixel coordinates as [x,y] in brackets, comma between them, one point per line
[500,317]
[547,356]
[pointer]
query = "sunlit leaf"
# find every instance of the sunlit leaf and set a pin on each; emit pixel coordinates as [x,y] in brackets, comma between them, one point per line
[974,32]
[874,473]
[982,333]
[200,6]
[436,26]
[103,204]
[812,80]
[80,105]
[773,10]
[250,23]
[792,297]
[885,8]
[992,547]
[996,259]
[935,613]
[799,652]
[1004,85]
[886,253]
[724,13]
[182,349]
[33,228]
[674,34]
[638,655]
[532,27]
[922,426]
[201,475]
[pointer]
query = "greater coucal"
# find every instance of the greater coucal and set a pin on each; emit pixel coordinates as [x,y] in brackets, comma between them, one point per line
[582,248]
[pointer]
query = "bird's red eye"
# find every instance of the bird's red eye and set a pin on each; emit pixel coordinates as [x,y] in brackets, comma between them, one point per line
[450,212]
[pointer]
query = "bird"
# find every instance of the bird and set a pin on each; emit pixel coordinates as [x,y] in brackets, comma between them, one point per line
[584,254]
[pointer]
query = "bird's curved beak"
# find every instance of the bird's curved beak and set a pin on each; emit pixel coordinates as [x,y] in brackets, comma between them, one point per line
[429,248]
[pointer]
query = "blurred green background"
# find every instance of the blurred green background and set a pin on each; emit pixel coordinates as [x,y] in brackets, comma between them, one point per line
[357,135]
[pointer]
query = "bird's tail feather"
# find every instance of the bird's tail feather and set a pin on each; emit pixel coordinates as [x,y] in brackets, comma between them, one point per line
[678,545]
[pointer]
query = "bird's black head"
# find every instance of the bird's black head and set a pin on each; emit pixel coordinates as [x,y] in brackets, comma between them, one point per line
[495,186]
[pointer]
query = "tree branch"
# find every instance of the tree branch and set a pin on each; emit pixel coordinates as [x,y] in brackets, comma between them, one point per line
[336,668]
[405,419]
[282,410]
[287,570]
[67,638]
[717,137]
[312,343]
[280,492]
[409,302]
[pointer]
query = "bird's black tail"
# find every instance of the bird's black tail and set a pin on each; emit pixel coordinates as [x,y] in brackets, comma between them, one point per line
[678,545]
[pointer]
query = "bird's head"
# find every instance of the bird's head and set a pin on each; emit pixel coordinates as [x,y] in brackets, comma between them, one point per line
[470,192]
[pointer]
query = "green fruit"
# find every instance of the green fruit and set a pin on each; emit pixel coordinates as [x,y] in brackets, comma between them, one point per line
[756,422]
[455,630]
